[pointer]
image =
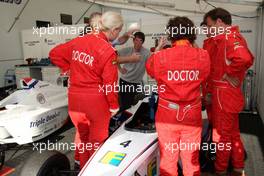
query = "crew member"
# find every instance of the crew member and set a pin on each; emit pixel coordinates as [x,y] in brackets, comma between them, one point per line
[94,27]
[182,69]
[91,63]
[132,73]
[207,87]
[230,58]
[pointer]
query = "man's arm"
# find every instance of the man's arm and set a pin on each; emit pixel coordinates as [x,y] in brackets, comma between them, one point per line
[110,76]
[129,59]
[124,38]
[125,56]
[238,58]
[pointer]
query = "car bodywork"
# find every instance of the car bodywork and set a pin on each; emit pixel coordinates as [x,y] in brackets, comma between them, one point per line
[132,149]
[32,113]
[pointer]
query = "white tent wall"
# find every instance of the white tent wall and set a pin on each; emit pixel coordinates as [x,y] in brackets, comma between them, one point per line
[49,10]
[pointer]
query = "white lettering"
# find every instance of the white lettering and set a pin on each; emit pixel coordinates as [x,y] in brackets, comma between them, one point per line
[183,75]
[87,59]
[82,57]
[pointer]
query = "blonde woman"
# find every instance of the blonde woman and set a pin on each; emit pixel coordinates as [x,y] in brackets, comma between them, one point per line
[94,27]
[91,62]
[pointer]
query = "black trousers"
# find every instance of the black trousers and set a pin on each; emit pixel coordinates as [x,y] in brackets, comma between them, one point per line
[127,94]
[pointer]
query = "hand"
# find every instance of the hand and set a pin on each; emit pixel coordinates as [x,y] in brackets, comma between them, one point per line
[130,33]
[135,57]
[232,80]
[113,114]
[64,74]
[122,70]
[162,43]
[195,45]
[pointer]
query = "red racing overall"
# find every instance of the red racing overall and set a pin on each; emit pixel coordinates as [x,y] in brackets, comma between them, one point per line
[181,70]
[207,86]
[229,55]
[90,61]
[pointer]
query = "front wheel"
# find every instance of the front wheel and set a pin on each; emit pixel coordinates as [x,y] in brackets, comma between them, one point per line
[48,163]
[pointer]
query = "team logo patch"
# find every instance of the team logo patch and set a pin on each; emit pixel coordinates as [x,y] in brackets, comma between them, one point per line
[152,168]
[236,43]
[113,158]
[114,62]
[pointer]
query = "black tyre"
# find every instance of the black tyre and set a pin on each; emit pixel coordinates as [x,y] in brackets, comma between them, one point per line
[2,156]
[48,163]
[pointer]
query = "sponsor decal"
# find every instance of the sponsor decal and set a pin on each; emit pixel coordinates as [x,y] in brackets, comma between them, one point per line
[114,62]
[41,98]
[44,120]
[236,43]
[152,167]
[113,158]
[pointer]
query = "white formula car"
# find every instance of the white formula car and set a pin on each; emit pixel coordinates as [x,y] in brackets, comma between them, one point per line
[32,113]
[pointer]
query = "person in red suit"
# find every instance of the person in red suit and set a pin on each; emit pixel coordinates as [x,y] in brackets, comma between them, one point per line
[90,61]
[230,59]
[181,69]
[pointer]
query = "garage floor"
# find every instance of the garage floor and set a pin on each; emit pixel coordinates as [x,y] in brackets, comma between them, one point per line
[252,130]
